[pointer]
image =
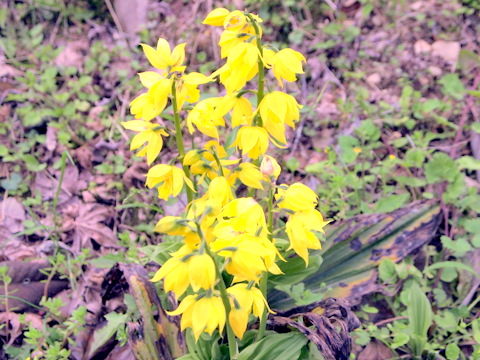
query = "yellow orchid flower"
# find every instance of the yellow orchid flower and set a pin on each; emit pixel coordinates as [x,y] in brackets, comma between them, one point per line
[241,107]
[216,17]
[296,197]
[201,313]
[219,190]
[186,87]
[175,272]
[150,104]
[245,254]
[286,64]
[171,225]
[187,268]
[252,140]
[299,230]
[163,58]
[241,66]
[192,157]
[150,78]
[148,133]
[244,215]
[170,178]
[202,117]
[201,272]
[230,39]
[238,320]
[278,109]
[246,300]
[235,21]
[213,147]
[249,174]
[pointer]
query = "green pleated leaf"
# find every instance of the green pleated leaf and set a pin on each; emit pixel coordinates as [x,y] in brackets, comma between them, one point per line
[420,318]
[295,271]
[275,347]
[353,250]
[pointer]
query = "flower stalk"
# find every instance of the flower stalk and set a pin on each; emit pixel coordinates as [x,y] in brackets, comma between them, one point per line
[179,138]
[224,236]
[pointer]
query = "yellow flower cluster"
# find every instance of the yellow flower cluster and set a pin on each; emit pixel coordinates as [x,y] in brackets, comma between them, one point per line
[221,232]
[301,201]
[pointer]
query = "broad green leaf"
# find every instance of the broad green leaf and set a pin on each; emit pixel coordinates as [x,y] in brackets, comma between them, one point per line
[410,181]
[293,164]
[415,157]
[468,162]
[347,144]
[452,265]
[440,168]
[102,335]
[459,247]
[391,203]
[452,86]
[420,317]
[452,351]
[108,260]
[400,339]
[448,275]
[32,163]
[3,150]
[313,352]
[476,127]
[12,183]
[386,271]
[473,227]
[286,346]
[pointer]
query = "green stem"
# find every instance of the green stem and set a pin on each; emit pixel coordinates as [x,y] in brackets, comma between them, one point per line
[257,121]
[179,139]
[263,320]
[251,191]
[232,343]
[217,160]
[261,70]
[63,164]
[264,279]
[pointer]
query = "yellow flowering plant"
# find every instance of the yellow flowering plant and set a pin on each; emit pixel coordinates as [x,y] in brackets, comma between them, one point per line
[228,245]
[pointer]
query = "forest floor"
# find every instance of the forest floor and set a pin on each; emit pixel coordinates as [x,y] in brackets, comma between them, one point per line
[391,120]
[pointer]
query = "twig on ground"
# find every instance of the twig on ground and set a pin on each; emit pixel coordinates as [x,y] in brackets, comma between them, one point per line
[117,22]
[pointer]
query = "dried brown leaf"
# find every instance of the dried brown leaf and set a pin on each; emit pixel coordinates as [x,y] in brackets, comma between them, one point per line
[137,172]
[15,325]
[86,222]
[51,141]
[332,322]
[375,350]
[15,249]
[73,54]
[121,353]
[8,70]
[12,215]
[47,184]
[84,156]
